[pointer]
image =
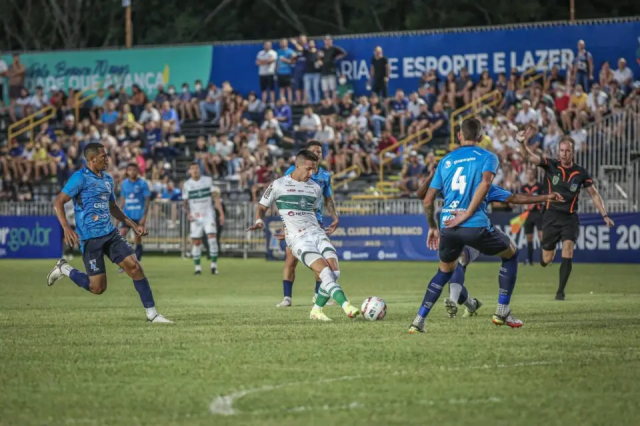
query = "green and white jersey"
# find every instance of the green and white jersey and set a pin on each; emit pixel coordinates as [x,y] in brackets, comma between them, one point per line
[296,202]
[199,193]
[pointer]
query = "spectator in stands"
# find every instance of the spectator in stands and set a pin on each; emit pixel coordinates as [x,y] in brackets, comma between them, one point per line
[331,55]
[299,68]
[344,87]
[58,162]
[224,155]
[398,112]
[379,72]
[284,69]
[266,62]
[325,135]
[624,76]
[39,100]
[328,109]
[635,93]
[605,76]
[264,175]
[282,113]
[23,104]
[357,121]
[185,106]
[312,75]
[485,85]
[597,102]
[460,95]
[413,108]
[112,95]
[270,122]
[577,108]
[201,154]
[552,139]
[150,113]
[387,141]
[421,120]
[16,74]
[138,101]
[377,114]
[170,116]
[198,97]
[526,115]
[439,120]
[579,135]
[411,174]
[97,104]
[210,107]
[583,66]
[153,138]
[309,123]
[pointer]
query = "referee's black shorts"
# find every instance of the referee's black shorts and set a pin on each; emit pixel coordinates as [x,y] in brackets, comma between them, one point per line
[534,220]
[557,227]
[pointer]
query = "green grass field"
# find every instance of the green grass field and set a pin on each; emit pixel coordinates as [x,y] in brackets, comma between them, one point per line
[68,357]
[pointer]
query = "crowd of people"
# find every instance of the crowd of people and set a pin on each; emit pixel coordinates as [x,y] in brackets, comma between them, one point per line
[257,133]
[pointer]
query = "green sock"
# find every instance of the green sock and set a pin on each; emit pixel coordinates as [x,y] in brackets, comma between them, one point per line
[323,298]
[339,297]
[214,259]
[196,260]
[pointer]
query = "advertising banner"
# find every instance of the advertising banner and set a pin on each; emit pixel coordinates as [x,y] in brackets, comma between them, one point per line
[403,237]
[30,237]
[148,68]
[495,50]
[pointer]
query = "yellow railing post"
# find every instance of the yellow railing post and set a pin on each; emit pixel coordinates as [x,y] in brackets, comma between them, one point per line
[345,172]
[31,121]
[381,155]
[495,97]
[82,100]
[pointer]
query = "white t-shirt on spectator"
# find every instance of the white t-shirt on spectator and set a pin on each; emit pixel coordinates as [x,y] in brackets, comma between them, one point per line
[579,137]
[147,116]
[325,135]
[497,145]
[622,76]
[310,123]
[224,149]
[39,103]
[359,121]
[525,118]
[23,101]
[550,113]
[550,143]
[273,123]
[3,68]
[414,107]
[265,55]
[602,100]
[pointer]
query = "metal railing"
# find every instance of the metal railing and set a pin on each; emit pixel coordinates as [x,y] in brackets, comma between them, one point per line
[341,179]
[488,100]
[81,100]
[28,123]
[422,137]
[611,153]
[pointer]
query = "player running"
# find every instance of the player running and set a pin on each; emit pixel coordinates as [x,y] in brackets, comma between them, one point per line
[464,177]
[91,189]
[200,196]
[534,219]
[297,199]
[560,220]
[458,293]
[134,202]
[323,179]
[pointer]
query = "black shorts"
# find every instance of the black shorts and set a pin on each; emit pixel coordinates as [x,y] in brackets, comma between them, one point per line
[284,81]
[113,245]
[488,241]
[559,227]
[124,225]
[15,92]
[534,220]
[267,82]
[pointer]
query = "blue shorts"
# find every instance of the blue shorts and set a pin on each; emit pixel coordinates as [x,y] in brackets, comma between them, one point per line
[488,241]
[124,225]
[113,245]
[298,77]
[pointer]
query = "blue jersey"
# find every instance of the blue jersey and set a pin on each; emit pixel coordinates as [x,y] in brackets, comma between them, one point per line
[457,177]
[497,194]
[322,178]
[134,194]
[91,195]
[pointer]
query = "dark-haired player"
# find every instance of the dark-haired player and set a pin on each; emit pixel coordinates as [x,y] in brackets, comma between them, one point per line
[323,179]
[534,220]
[134,202]
[91,190]
[560,221]
[297,198]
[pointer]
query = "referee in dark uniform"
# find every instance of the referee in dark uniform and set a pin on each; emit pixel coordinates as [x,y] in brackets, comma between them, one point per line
[560,220]
[534,220]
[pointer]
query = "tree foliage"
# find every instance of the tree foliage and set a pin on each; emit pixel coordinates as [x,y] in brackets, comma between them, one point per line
[67,24]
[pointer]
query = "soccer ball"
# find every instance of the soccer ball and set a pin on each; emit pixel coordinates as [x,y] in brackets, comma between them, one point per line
[373,308]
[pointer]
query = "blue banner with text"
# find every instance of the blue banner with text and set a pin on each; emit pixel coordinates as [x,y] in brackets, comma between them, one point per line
[494,50]
[403,237]
[30,237]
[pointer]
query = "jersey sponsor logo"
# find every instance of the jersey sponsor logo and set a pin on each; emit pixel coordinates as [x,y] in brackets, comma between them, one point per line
[291,190]
[108,185]
[454,204]
[574,187]
[447,164]
[101,205]
[555,179]
[268,192]
[93,266]
[464,160]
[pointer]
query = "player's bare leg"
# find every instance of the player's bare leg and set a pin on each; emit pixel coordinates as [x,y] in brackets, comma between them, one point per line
[132,267]
[196,252]
[434,290]
[329,288]
[547,257]
[507,281]
[288,277]
[565,267]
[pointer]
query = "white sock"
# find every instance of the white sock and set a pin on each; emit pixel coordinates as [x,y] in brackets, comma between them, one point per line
[345,304]
[454,291]
[198,268]
[151,312]
[66,269]
[471,304]
[503,310]
[213,246]
[316,306]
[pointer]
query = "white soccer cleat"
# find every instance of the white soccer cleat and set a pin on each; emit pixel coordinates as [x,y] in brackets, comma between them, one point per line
[451,307]
[160,319]
[317,315]
[56,273]
[286,303]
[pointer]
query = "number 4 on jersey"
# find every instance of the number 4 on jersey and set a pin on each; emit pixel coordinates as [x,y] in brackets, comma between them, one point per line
[459,182]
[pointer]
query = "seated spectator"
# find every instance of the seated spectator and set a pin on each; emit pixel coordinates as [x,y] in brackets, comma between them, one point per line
[421,121]
[605,76]
[579,135]
[398,112]
[413,108]
[357,121]
[345,107]
[264,175]
[309,123]
[411,174]
[137,102]
[185,106]
[624,76]
[460,92]
[150,113]
[377,114]
[439,121]
[199,96]
[282,113]
[110,115]
[325,135]
[597,102]
[387,141]
[344,87]
[22,105]
[254,107]
[577,108]
[224,155]
[170,116]
[153,139]
[526,115]
[58,162]
[328,109]
[210,107]
[39,100]
[270,122]
[484,86]
[201,154]
[97,104]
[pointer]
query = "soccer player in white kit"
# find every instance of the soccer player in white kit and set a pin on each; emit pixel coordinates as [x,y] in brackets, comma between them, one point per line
[200,195]
[297,198]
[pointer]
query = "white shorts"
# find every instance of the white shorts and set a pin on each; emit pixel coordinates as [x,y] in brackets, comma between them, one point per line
[328,82]
[203,226]
[315,242]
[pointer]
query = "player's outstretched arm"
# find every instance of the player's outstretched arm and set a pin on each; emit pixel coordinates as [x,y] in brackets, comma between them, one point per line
[422,190]
[218,204]
[331,209]
[523,138]
[260,213]
[519,198]
[117,212]
[597,201]
[70,236]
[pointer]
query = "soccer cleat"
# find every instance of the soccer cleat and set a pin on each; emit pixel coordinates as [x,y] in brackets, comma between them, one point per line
[468,313]
[197,272]
[351,310]
[286,303]
[56,273]
[451,307]
[214,270]
[509,320]
[317,315]
[120,270]
[417,326]
[560,296]
[160,319]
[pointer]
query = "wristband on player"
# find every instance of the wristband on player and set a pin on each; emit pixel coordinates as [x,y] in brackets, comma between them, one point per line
[605,216]
[259,221]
